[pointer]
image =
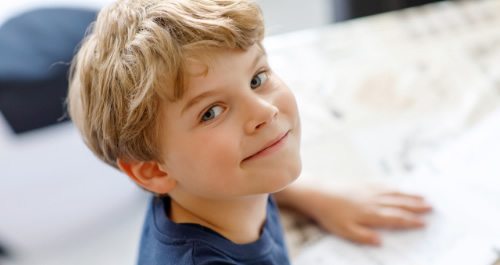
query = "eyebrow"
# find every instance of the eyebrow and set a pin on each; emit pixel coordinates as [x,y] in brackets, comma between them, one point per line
[197,99]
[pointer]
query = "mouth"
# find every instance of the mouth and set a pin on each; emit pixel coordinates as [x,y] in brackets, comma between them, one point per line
[270,147]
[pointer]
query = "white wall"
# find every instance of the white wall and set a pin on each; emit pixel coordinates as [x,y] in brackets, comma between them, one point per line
[289,15]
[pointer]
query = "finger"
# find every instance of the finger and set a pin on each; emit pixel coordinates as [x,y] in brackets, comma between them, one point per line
[405,203]
[394,218]
[404,195]
[360,234]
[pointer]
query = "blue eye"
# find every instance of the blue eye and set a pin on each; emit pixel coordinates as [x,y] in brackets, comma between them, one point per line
[212,113]
[258,80]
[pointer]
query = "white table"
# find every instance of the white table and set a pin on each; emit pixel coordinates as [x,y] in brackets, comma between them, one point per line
[388,94]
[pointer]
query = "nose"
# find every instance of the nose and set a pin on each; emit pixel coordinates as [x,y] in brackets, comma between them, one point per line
[260,112]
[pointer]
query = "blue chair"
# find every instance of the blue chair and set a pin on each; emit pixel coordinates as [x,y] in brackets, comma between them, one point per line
[36,48]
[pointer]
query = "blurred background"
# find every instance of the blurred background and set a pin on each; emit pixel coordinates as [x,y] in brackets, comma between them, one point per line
[59,204]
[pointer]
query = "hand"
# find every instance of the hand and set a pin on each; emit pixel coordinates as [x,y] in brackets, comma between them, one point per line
[354,214]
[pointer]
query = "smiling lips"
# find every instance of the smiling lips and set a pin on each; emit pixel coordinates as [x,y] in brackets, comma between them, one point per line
[272,146]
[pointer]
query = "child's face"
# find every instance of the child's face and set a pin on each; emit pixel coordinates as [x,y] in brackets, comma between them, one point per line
[217,138]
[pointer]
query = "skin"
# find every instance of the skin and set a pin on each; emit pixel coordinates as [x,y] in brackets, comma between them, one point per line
[233,139]
[356,213]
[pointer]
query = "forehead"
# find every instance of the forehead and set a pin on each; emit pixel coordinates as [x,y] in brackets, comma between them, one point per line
[201,63]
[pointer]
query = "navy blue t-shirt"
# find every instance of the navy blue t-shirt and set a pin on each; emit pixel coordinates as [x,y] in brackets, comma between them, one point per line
[164,242]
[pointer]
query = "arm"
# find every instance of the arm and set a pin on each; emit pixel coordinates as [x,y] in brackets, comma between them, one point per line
[353,214]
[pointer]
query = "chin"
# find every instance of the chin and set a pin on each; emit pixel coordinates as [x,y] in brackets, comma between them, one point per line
[287,178]
[295,171]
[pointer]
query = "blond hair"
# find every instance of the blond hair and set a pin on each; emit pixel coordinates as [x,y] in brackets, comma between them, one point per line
[132,60]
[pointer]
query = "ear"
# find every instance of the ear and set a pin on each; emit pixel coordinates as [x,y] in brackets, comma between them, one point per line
[148,175]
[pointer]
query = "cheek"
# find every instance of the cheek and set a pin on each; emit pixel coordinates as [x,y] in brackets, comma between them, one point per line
[292,103]
[214,151]
[285,97]
[208,165]
[288,105]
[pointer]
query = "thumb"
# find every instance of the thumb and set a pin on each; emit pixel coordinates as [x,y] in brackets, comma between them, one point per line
[361,234]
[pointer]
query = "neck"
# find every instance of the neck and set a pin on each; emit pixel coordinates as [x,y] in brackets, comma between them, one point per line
[239,220]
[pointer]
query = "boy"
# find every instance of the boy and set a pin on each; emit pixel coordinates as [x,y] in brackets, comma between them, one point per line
[179,96]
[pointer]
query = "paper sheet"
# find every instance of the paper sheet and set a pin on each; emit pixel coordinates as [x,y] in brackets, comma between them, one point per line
[463,185]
